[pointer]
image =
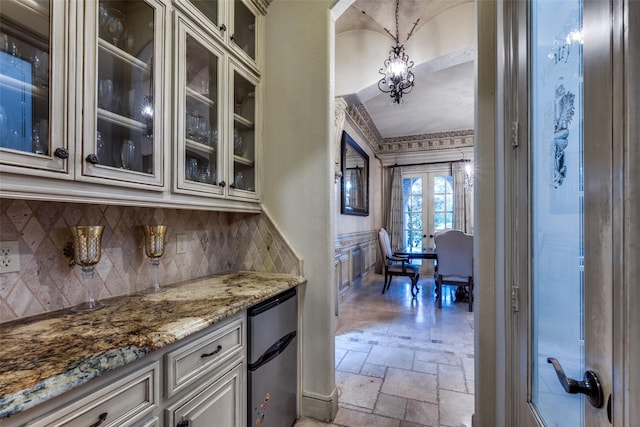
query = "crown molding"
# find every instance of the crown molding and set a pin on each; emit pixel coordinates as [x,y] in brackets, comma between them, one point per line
[410,145]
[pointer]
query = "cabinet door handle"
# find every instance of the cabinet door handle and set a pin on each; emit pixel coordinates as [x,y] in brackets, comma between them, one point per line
[213,353]
[61,153]
[101,418]
[222,183]
[232,185]
[93,159]
[223,28]
[233,38]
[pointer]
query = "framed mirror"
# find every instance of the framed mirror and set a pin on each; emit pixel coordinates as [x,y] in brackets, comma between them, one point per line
[355,178]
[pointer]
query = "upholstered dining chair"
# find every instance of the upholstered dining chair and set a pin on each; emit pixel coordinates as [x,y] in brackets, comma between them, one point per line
[455,262]
[395,265]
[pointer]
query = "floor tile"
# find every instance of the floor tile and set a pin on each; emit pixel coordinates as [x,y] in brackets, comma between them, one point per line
[412,385]
[358,390]
[351,418]
[424,413]
[352,362]
[392,357]
[455,408]
[391,406]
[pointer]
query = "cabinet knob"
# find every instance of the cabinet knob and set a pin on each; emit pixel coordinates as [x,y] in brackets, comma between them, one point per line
[61,153]
[233,37]
[223,28]
[232,185]
[222,183]
[93,159]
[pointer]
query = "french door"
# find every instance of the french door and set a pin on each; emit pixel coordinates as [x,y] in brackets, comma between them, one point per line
[565,253]
[427,208]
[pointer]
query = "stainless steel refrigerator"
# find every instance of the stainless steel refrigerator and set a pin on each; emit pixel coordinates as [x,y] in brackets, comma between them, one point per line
[273,361]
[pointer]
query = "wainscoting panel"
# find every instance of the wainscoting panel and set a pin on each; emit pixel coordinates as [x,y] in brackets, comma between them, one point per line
[356,255]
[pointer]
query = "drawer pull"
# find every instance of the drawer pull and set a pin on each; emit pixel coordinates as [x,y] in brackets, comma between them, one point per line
[101,418]
[214,352]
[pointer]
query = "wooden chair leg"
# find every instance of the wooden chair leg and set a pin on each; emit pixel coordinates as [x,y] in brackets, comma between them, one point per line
[384,285]
[471,296]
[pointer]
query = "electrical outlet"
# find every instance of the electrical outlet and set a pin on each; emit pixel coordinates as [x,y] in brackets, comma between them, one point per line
[181,243]
[9,257]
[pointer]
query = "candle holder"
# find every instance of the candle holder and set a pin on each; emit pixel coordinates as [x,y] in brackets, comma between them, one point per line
[87,242]
[154,244]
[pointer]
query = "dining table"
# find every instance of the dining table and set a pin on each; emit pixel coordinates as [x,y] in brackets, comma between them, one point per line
[418,253]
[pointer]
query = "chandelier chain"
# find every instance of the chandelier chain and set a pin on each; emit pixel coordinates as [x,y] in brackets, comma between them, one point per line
[397,21]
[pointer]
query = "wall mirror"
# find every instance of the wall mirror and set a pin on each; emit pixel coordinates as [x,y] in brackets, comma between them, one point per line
[355,178]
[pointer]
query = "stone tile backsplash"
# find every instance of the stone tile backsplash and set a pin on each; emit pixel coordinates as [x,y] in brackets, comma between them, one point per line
[217,242]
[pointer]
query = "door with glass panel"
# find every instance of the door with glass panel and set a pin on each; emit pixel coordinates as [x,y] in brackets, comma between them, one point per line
[427,209]
[200,130]
[33,86]
[124,98]
[565,326]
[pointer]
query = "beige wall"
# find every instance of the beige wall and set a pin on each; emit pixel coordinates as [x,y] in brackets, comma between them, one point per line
[298,149]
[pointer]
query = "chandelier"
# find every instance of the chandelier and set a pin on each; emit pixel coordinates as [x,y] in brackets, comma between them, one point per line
[397,77]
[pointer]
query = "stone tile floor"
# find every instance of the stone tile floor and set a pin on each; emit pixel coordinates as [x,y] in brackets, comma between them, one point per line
[400,362]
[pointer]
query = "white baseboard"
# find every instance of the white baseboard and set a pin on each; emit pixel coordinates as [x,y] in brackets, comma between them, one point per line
[320,407]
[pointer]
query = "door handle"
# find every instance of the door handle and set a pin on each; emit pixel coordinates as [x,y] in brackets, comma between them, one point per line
[590,384]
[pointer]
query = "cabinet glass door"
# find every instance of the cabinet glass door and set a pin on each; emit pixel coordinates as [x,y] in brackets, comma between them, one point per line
[31,107]
[198,116]
[244,28]
[244,134]
[126,142]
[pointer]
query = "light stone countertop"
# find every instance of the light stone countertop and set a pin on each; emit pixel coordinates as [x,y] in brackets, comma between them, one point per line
[43,356]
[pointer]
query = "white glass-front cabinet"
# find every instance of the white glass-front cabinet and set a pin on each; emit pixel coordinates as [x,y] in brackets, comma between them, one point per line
[217,122]
[236,23]
[199,125]
[124,120]
[33,88]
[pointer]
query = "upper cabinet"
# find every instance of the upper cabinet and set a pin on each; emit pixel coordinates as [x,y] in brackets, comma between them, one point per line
[125,102]
[215,87]
[236,23]
[34,138]
[149,100]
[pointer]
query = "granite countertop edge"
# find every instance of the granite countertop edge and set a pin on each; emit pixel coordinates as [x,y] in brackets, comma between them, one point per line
[117,335]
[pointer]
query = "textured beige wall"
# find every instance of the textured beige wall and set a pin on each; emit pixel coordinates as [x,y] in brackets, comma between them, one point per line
[298,147]
[217,242]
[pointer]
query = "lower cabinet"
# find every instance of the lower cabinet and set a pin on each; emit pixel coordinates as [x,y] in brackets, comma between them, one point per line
[121,403]
[219,403]
[197,381]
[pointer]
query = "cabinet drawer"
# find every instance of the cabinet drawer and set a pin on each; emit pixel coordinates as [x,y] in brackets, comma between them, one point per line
[188,363]
[121,403]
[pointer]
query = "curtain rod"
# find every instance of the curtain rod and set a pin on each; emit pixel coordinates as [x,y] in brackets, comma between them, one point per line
[425,163]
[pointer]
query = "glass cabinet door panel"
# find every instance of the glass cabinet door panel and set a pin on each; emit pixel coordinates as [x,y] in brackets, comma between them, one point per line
[124,136]
[198,118]
[243,138]
[29,107]
[244,28]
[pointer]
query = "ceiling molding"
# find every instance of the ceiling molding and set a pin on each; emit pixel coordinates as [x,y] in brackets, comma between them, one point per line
[406,145]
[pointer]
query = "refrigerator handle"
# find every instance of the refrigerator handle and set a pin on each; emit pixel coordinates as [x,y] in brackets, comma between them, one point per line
[273,351]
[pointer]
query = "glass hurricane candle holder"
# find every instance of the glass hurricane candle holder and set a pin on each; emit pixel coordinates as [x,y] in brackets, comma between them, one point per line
[87,249]
[154,244]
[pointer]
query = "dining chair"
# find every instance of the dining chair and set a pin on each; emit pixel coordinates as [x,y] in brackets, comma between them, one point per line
[455,263]
[396,265]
